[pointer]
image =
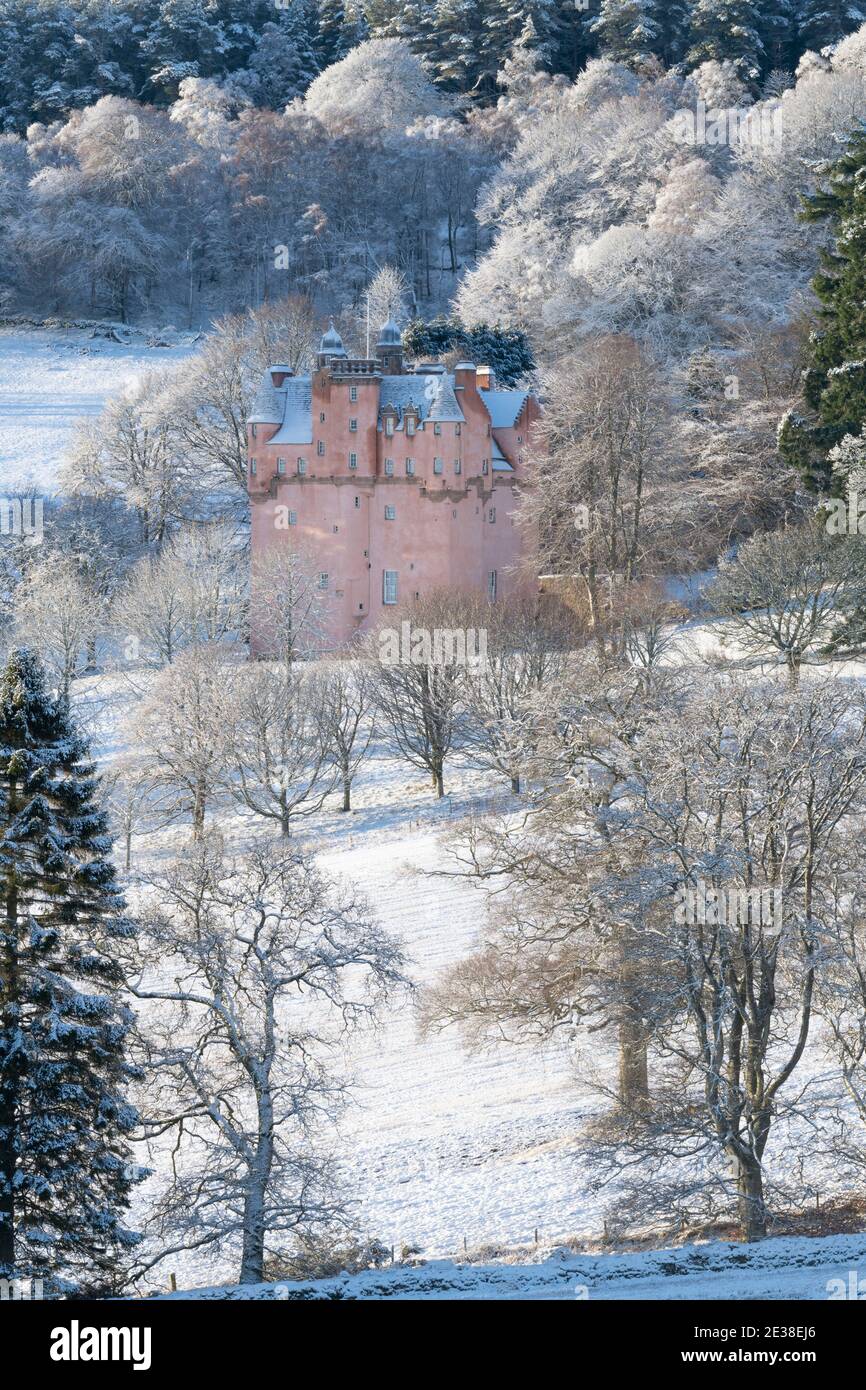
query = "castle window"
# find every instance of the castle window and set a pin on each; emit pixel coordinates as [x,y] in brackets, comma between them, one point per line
[281,465]
[410,425]
[254,431]
[322,416]
[457,430]
[353,460]
[353,393]
[323,580]
[389,426]
[437,466]
[253,467]
[492,514]
[389,467]
[293,518]
[320,448]
[390,513]
[437,428]
[458,466]
[302,466]
[491,586]
[410,468]
[353,426]
[357,501]
[389,586]
[336,529]
[484,466]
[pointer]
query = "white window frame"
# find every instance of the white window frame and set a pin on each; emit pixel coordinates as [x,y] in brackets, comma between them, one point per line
[302,467]
[390,512]
[390,579]
[438,466]
[389,468]
[410,468]
[320,448]
[324,580]
[353,460]
[281,465]
[353,393]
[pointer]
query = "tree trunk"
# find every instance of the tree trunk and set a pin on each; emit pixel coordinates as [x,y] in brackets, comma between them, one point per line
[751,1210]
[8,1090]
[198,810]
[347,792]
[515,784]
[633,1066]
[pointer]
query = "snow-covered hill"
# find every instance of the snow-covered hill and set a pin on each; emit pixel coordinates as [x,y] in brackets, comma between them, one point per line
[50,379]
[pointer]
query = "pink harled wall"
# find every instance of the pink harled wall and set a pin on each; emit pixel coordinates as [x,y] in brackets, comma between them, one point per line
[448,531]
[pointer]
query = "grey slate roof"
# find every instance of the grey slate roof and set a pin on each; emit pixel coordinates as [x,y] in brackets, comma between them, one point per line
[297,419]
[503,407]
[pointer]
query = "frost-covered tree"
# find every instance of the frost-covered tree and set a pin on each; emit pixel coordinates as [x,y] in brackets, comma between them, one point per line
[58,614]
[65,1164]
[381,86]
[254,969]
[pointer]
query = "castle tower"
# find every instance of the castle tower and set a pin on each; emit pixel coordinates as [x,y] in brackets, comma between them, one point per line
[389,349]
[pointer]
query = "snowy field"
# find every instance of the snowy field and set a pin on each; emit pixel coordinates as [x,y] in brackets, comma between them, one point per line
[50,379]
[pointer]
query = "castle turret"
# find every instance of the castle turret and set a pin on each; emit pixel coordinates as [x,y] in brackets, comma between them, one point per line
[389,349]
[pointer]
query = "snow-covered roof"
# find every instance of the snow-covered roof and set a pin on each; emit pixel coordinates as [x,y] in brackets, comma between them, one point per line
[500,462]
[297,418]
[432,395]
[503,407]
[269,405]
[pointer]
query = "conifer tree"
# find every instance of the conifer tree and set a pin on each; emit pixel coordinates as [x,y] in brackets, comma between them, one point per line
[629,31]
[65,1172]
[822,22]
[834,384]
[340,29]
[727,29]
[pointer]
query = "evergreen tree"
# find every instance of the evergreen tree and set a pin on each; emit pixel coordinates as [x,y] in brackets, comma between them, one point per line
[285,61]
[506,350]
[65,1175]
[727,29]
[629,31]
[778,30]
[834,384]
[340,29]
[823,22]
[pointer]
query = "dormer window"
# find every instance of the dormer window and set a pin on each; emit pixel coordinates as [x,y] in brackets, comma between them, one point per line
[410,425]
[389,425]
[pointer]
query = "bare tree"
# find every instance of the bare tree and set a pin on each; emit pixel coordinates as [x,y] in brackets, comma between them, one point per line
[289,607]
[254,970]
[184,728]
[194,591]
[788,591]
[58,614]
[278,744]
[345,700]
[419,699]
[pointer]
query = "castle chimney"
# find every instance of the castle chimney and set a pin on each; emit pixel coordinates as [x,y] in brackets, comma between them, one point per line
[279,373]
[484,378]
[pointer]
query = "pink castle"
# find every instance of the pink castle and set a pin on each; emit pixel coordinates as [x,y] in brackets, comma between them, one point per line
[390,481]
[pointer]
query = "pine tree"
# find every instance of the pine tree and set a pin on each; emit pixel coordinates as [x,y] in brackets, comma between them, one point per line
[340,29]
[629,30]
[727,29]
[822,22]
[778,30]
[65,1174]
[834,384]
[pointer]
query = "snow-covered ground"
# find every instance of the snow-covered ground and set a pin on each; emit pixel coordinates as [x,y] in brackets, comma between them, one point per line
[788,1268]
[50,379]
